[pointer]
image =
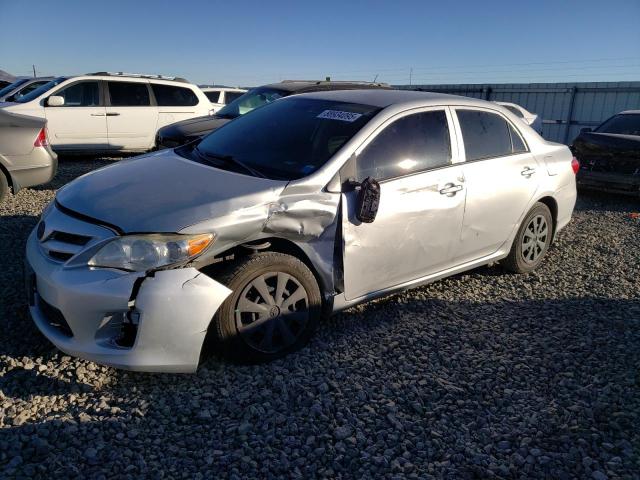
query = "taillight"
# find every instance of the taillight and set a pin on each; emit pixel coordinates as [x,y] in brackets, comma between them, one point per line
[575,164]
[41,139]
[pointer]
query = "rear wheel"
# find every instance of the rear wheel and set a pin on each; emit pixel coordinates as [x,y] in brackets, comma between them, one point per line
[4,186]
[532,240]
[274,309]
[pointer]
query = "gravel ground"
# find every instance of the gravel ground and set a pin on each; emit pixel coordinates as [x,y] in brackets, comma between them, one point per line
[484,375]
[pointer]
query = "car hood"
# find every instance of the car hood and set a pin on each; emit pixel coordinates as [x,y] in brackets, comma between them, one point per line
[193,127]
[163,192]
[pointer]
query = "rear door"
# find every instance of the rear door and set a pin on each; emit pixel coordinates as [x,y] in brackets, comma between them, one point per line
[421,204]
[131,116]
[175,103]
[80,124]
[501,177]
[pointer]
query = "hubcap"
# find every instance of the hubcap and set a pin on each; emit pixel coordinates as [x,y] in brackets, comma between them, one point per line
[534,240]
[272,311]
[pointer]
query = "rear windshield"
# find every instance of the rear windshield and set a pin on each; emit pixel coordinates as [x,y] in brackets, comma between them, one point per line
[251,100]
[12,86]
[285,140]
[39,91]
[626,124]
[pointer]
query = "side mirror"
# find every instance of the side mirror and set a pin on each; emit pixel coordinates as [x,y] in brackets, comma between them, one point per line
[55,101]
[585,130]
[368,200]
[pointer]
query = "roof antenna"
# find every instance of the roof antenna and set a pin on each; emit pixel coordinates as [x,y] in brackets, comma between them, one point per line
[375,78]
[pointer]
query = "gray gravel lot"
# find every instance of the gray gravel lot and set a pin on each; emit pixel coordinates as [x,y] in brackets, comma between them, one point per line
[484,375]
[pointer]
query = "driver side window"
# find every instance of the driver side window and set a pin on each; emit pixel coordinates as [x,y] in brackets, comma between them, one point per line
[409,145]
[82,94]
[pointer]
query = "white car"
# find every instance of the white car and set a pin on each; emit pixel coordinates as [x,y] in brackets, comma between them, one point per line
[221,96]
[531,119]
[106,112]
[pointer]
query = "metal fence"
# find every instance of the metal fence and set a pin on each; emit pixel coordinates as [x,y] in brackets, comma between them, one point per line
[564,107]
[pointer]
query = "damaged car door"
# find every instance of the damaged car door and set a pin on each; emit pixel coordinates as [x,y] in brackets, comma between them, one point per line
[420,208]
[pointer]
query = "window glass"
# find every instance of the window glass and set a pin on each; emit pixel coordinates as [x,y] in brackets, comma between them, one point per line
[172,96]
[128,94]
[518,145]
[213,97]
[411,144]
[627,124]
[231,96]
[250,100]
[485,134]
[12,86]
[283,140]
[42,89]
[82,94]
[26,90]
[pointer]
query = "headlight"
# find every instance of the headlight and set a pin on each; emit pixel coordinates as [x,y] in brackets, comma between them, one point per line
[145,252]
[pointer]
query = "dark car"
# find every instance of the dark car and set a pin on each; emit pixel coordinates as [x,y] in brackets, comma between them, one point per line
[609,156]
[185,131]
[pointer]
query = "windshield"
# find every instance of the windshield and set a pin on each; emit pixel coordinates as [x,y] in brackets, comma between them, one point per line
[39,91]
[251,100]
[285,140]
[11,86]
[626,124]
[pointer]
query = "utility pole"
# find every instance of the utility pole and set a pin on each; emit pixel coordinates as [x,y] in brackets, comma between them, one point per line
[34,71]
[410,75]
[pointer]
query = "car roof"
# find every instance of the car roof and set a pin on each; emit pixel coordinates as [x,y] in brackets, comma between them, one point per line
[630,112]
[302,86]
[385,97]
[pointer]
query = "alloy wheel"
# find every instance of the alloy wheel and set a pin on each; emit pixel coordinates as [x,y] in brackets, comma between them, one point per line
[534,239]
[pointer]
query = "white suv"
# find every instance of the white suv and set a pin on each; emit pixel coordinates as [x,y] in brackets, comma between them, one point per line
[221,96]
[105,112]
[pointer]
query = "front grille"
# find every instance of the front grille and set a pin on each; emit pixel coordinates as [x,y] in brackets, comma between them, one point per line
[62,256]
[63,236]
[54,317]
[72,238]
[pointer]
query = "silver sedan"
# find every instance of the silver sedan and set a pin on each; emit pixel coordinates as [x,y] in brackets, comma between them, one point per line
[304,207]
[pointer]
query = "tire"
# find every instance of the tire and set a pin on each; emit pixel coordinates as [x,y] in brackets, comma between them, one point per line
[250,328]
[537,227]
[4,186]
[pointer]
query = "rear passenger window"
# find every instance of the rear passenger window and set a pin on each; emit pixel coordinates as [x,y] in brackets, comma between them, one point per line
[171,96]
[231,96]
[82,94]
[213,97]
[485,134]
[518,145]
[411,144]
[129,94]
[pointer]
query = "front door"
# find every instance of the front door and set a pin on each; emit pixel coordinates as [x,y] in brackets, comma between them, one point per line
[80,124]
[421,204]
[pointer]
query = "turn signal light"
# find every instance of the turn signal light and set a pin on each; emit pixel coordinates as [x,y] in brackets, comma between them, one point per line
[575,164]
[41,139]
[198,244]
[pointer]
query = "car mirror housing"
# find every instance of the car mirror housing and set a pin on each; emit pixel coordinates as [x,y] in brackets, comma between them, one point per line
[55,101]
[368,200]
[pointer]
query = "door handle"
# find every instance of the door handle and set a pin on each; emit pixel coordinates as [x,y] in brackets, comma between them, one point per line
[97,114]
[450,189]
[527,172]
[112,114]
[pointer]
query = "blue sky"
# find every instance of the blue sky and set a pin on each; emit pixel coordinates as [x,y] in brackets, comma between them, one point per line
[251,43]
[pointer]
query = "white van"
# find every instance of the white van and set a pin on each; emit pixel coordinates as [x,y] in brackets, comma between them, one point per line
[106,112]
[221,96]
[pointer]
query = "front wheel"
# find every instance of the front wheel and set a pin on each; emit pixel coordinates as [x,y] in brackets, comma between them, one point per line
[4,186]
[532,241]
[274,309]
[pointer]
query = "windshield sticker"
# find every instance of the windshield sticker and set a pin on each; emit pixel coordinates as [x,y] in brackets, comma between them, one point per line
[340,115]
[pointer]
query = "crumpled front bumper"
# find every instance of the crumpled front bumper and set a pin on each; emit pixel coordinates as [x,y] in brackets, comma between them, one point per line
[172,310]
